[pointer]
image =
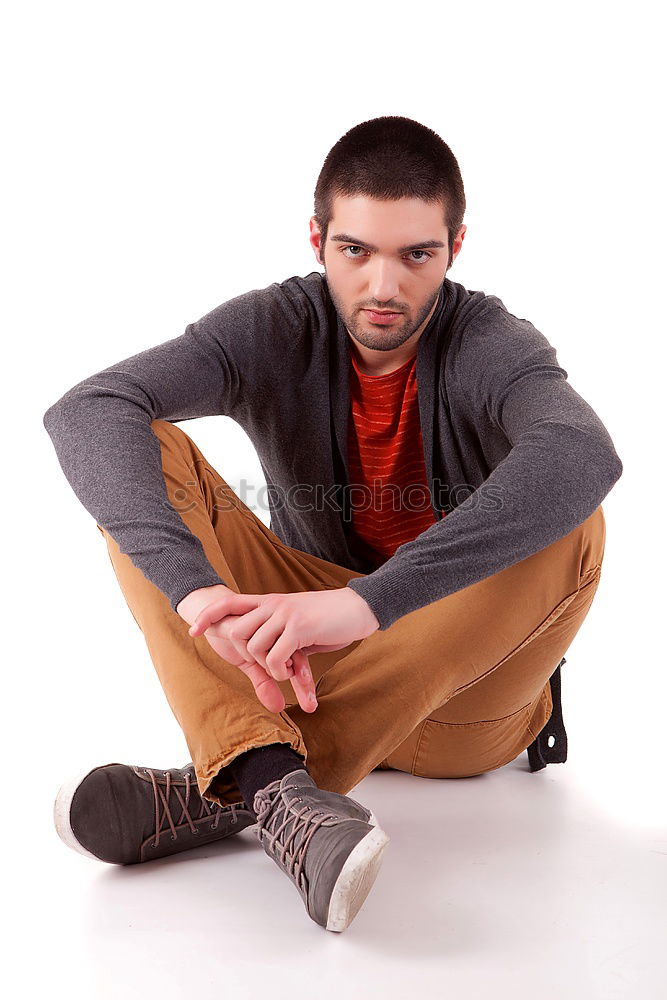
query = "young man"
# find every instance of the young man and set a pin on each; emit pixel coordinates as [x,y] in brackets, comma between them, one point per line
[436,534]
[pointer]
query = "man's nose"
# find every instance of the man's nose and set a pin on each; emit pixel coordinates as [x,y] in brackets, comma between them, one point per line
[383,283]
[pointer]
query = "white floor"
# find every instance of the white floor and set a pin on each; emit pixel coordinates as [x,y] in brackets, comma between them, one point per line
[511,884]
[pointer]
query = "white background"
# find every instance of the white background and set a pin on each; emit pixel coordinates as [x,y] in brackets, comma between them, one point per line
[160,158]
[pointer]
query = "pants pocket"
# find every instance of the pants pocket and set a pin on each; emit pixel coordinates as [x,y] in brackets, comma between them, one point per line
[460,750]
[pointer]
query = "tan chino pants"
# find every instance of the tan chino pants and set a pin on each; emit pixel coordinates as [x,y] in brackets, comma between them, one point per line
[453,689]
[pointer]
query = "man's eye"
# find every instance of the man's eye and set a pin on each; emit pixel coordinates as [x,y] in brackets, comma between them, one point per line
[426,256]
[353,248]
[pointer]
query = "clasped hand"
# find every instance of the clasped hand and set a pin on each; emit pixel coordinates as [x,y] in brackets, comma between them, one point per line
[269,636]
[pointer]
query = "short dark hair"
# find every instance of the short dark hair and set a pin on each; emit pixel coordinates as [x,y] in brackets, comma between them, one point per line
[390,158]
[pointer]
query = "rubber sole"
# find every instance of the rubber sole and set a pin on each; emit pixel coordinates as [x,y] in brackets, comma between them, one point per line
[356,879]
[61,813]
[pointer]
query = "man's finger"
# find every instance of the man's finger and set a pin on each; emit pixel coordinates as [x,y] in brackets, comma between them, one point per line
[272,646]
[229,604]
[302,682]
[266,688]
[281,643]
[243,628]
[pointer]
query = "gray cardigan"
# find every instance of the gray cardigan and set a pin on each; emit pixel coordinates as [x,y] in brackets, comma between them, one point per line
[514,455]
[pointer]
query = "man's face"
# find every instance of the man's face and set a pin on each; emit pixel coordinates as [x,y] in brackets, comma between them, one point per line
[381,255]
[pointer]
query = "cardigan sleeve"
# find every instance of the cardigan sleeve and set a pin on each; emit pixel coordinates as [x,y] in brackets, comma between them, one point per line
[102,435]
[560,466]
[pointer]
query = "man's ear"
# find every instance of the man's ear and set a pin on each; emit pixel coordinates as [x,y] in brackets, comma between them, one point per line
[315,240]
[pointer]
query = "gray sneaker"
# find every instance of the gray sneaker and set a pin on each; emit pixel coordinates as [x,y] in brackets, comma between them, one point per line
[321,842]
[125,815]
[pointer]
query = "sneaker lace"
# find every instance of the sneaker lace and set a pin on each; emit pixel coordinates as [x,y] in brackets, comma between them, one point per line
[206,808]
[274,817]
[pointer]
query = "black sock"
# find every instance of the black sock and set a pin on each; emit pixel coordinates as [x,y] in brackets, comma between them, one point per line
[256,768]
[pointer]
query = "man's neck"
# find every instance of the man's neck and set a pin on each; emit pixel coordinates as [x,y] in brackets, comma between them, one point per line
[381,362]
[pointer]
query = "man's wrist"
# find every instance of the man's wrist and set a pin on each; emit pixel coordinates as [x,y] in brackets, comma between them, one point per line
[369,618]
[194,602]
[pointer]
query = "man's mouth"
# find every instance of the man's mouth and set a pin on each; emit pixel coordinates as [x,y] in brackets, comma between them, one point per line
[381,316]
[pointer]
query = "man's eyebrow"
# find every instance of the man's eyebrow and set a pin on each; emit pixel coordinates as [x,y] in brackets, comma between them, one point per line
[426,244]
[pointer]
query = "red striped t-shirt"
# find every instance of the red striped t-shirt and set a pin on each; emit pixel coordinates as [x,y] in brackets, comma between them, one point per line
[390,500]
